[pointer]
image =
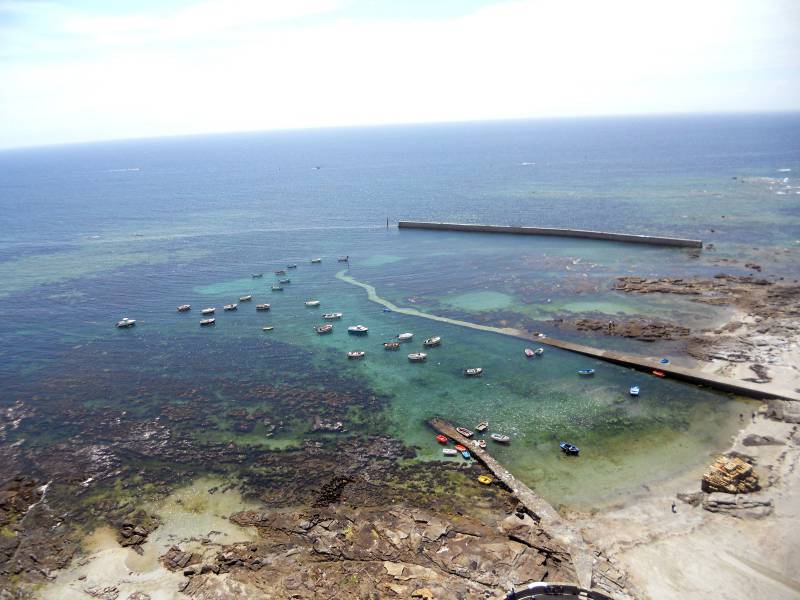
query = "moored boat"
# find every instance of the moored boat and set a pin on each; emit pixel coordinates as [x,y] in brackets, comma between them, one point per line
[284,281]
[208,311]
[126,322]
[466,454]
[539,351]
[391,345]
[432,341]
[473,372]
[449,452]
[405,337]
[567,448]
[442,439]
[480,443]
[500,438]
[460,448]
[207,322]
[312,303]
[262,307]
[267,328]
[245,298]
[485,479]
[634,391]
[332,316]
[323,329]
[417,357]
[316,261]
[280,272]
[386,309]
[357,330]
[586,372]
[276,288]
[356,354]
[659,373]
[230,307]
[291,266]
[343,258]
[256,275]
[184,308]
[465,432]
[529,352]
[482,426]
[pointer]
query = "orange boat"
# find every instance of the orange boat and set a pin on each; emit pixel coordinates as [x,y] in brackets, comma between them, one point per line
[659,373]
[460,448]
[441,439]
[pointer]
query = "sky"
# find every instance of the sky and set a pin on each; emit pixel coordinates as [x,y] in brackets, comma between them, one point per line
[84,70]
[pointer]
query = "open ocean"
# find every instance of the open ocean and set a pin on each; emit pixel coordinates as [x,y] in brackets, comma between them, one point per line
[91,233]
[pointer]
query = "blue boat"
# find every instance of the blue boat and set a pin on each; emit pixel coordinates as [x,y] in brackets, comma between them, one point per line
[569,448]
[466,454]
[586,372]
[664,361]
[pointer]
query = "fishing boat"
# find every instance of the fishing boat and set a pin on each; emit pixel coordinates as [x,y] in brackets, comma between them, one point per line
[529,352]
[323,329]
[500,438]
[473,372]
[405,337]
[465,432]
[312,303]
[207,322]
[460,448]
[466,454]
[284,281]
[291,266]
[442,439]
[417,357]
[316,261]
[280,272]
[267,328]
[208,311]
[659,373]
[569,448]
[480,443]
[485,479]
[482,426]
[356,354]
[586,372]
[126,322]
[539,351]
[184,308]
[449,452]
[245,298]
[262,307]
[634,391]
[343,258]
[391,345]
[332,316]
[276,288]
[230,307]
[256,275]
[432,341]
[357,330]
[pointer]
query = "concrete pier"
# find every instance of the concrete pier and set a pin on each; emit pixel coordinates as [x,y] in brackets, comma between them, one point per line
[539,508]
[552,231]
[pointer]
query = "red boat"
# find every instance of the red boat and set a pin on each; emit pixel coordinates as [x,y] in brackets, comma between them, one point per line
[442,439]
[659,373]
[529,352]
[460,448]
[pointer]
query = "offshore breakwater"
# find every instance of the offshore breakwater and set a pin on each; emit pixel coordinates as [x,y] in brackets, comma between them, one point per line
[553,231]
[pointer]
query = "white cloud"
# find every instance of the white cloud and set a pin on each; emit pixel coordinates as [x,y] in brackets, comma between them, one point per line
[255,65]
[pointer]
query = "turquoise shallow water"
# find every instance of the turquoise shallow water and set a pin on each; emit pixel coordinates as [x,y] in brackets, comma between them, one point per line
[85,241]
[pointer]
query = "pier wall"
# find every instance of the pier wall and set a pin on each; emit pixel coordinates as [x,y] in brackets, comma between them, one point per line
[552,231]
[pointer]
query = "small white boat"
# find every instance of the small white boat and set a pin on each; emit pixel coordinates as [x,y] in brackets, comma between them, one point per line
[245,298]
[276,288]
[432,341]
[356,354]
[634,391]
[267,328]
[417,357]
[184,308]
[482,426]
[332,316]
[312,303]
[323,329]
[449,451]
[405,337]
[126,322]
[357,330]
[539,351]
[291,266]
[262,307]
[529,352]
[480,443]
[316,261]
[230,307]
[207,322]
[473,372]
[207,311]
[500,438]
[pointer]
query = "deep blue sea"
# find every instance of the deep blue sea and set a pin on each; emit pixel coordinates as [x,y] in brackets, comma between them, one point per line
[90,233]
